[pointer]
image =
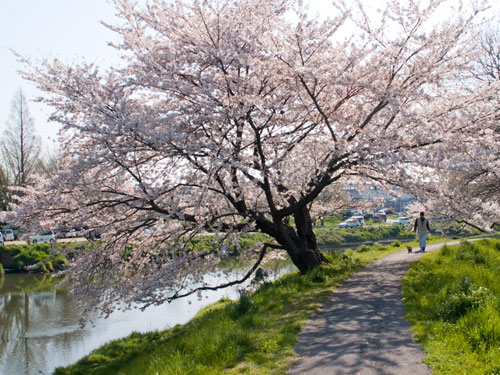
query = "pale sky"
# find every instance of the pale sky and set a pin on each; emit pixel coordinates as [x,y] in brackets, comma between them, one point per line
[69,30]
[66,29]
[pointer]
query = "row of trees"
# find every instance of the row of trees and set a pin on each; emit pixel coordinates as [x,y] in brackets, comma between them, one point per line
[236,116]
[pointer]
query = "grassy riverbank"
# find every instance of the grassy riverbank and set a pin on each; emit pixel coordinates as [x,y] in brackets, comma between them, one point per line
[255,335]
[452,298]
[41,257]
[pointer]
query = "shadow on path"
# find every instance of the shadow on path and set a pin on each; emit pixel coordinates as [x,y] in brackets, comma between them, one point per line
[361,329]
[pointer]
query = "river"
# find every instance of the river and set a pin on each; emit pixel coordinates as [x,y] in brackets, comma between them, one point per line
[40,330]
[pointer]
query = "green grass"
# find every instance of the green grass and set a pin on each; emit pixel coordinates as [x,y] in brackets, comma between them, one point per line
[329,222]
[44,254]
[364,234]
[48,256]
[452,299]
[255,335]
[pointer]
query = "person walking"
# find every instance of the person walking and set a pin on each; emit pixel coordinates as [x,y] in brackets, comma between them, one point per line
[421,228]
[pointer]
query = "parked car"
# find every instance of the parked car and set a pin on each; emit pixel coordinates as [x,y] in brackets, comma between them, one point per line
[350,223]
[74,232]
[42,237]
[1,239]
[8,234]
[361,219]
[402,220]
[368,216]
[379,217]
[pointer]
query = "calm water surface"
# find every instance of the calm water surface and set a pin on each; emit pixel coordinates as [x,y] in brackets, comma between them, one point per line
[40,331]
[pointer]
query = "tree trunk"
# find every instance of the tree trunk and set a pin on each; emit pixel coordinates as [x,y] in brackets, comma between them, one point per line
[306,258]
[300,243]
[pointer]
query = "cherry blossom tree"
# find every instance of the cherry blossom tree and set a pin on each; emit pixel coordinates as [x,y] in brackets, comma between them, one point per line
[469,192]
[234,117]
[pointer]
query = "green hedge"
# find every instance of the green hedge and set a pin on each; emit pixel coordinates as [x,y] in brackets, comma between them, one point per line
[17,257]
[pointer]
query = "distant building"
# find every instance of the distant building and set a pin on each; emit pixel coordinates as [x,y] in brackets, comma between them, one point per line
[395,199]
[352,193]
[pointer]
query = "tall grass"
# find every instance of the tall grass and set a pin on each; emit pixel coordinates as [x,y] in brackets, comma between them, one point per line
[452,299]
[254,335]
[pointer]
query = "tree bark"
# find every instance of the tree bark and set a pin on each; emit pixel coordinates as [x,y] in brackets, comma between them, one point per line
[309,256]
[305,257]
[299,242]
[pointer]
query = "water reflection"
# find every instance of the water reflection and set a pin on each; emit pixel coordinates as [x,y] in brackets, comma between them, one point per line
[31,309]
[40,330]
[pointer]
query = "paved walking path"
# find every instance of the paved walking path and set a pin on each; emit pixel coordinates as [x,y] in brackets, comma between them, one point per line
[361,329]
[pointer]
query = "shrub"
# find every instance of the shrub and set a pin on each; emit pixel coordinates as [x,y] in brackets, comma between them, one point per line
[379,247]
[29,255]
[338,264]
[243,306]
[363,249]
[2,271]
[469,252]
[246,243]
[463,296]
[59,260]
[496,246]
[445,251]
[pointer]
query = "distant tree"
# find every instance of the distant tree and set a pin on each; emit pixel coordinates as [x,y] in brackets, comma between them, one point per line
[233,117]
[4,190]
[20,147]
[52,162]
[489,60]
